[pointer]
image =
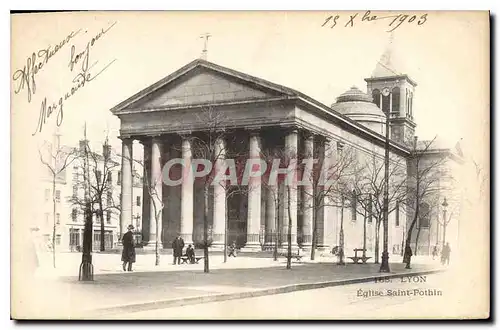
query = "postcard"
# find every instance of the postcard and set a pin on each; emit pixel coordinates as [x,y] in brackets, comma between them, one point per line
[250,165]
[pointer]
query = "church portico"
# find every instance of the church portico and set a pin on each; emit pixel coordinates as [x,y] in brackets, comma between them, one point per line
[204,110]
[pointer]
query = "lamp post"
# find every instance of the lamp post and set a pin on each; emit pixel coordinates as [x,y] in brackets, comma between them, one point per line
[384,266]
[341,235]
[445,205]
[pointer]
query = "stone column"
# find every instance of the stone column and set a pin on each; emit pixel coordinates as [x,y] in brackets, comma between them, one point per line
[254,197]
[145,192]
[156,183]
[126,186]
[327,223]
[290,186]
[219,209]
[308,195]
[187,193]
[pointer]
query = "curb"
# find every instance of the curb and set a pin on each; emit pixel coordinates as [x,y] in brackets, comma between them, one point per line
[178,302]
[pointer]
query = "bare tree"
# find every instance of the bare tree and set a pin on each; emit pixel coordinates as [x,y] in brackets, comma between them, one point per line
[331,167]
[56,160]
[97,182]
[367,190]
[424,175]
[207,146]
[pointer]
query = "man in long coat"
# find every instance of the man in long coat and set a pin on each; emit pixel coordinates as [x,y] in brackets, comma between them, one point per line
[177,246]
[407,256]
[128,253]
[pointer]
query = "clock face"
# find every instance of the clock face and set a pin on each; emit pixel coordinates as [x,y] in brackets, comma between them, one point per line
[386,91]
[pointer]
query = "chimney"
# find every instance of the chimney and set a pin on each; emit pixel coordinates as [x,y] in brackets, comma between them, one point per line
[106,150]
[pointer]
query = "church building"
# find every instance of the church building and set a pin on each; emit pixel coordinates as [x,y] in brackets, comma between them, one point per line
[260,116]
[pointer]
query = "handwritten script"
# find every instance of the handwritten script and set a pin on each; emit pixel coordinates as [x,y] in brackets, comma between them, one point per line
[394,21]
[79,63]
[24,78]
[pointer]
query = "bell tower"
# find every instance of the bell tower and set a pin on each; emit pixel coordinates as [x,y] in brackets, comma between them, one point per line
[393,93]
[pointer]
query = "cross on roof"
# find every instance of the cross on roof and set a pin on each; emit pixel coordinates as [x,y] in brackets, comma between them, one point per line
[205,50]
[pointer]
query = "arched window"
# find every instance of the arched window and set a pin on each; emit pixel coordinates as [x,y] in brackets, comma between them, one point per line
[385,103]
[376,97]
[424,215]
[395,100]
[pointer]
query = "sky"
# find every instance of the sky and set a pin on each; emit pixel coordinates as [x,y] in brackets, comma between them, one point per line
[447,55]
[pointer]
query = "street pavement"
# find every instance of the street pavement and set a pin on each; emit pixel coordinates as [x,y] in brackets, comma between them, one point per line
[59,294]
[354,301]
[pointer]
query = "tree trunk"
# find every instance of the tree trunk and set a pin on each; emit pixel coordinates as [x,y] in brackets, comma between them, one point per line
[226,224]
[54,221]
[157,248]
[289,238]
[377,241]
[341,234]
[275,236]
[410,230]
[314,235]
[206,268]
[103,247]
[416,241]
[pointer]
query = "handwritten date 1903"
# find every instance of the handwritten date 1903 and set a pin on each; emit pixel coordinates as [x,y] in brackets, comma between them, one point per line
[395,20]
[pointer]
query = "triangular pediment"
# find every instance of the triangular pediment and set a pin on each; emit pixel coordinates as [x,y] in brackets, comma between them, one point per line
[202,83]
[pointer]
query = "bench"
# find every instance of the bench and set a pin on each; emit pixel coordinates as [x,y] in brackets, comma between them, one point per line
[185,259]
[283,252]
[356,259]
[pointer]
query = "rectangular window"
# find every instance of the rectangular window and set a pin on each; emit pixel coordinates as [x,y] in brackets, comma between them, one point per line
[119,181]
[74,237]
[75,173]
[110,178]
[58,239]
[138,200]
[98,219]
[397,213]
[74,215]
[75,191]
[58,218]
[58,196]
[108,216]
[109,198]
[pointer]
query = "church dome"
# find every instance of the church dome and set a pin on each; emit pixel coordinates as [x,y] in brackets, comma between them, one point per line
[359,106]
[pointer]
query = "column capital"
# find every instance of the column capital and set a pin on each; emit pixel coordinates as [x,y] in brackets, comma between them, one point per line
[291,129]
[126,138]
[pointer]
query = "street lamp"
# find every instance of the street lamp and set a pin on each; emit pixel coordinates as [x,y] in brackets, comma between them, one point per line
[445,205]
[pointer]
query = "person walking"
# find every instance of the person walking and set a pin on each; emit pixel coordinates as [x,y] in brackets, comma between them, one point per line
[445,254]
[407,257]
[434,252]
[177,246]
[128,253]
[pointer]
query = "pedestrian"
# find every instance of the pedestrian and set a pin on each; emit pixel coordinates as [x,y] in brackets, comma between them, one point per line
[434,252]
[407,256]
[177,246]
[445,254]
[128,253]
[232,249]
[190,253]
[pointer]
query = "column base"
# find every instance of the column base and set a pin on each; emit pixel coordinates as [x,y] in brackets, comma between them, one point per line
[216,246]
[251,247]
[151,246]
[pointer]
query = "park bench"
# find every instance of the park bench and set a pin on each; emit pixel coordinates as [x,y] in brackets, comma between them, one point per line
[356,259]
[185,259]
[283,252]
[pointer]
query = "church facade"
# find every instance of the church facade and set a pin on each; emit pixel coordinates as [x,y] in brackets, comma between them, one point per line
[260,117]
